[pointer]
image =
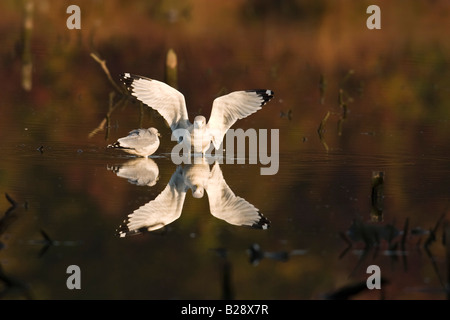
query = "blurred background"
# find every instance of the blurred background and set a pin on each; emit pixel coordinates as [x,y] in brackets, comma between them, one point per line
[351,104]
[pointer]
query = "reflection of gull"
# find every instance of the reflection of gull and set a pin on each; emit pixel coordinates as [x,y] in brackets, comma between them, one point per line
[157,213]
[167,206]
[226,206]
[139,171]
[140,142]
[257,254]
[170,103]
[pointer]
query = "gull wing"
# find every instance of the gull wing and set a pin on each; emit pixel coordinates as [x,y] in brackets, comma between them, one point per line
[225,205]
[159,96]
[138,139]
[227,109]
[161,211]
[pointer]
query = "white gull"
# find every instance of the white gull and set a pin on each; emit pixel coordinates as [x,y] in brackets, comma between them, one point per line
[170,103]
[140,142]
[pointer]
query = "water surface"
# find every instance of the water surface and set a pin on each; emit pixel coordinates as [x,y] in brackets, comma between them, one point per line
[328,222]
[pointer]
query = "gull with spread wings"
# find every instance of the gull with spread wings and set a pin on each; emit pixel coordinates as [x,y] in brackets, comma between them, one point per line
[170,103]
[167,206]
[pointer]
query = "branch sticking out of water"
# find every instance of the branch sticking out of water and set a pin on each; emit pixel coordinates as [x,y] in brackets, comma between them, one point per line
[322,86]
[343,106]
[99,128]
[446,239]
[403,241]
[377,195]
[10,216]
[348,75]
[105,123]
[108,74]
[428,242]
[11,201]
[172,69]
[321,130]
[27,64]
[287,114]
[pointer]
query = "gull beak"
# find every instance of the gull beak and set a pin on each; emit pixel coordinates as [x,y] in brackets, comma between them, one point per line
[198,192]
[198,124]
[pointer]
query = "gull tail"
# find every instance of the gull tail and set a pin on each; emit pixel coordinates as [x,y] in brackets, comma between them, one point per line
[117,145]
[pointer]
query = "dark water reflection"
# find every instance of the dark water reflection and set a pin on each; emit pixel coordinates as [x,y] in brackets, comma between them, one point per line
[349,104]
[168,205]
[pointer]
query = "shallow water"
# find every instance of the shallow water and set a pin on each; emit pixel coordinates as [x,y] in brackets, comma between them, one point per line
[327,222]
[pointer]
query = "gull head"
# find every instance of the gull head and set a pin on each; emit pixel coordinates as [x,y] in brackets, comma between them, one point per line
[199,122]
[197,191]
[154,131]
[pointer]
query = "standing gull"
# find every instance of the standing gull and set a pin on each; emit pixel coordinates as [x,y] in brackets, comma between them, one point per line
[170,103]
[140,142]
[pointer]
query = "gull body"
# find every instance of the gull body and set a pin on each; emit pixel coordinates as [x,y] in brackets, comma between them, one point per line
[142,171]
[139,142]
[197,136]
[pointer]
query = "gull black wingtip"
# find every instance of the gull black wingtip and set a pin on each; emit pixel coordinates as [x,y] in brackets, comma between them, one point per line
[114,145]
[127,79]
[126,76]
[265,94]
[263,222]
[117,145]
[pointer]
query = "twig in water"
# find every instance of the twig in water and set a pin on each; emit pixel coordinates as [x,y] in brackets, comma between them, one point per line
[321,130]
[11,200]
[403,241]
[286,114]
[446,239]
[344,108]
[322,86]
[377,195]
[105,69]
[106,120]
[172,69]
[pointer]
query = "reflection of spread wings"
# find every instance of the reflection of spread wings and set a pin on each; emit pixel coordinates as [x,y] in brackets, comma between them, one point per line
[225,205]
[161,211]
